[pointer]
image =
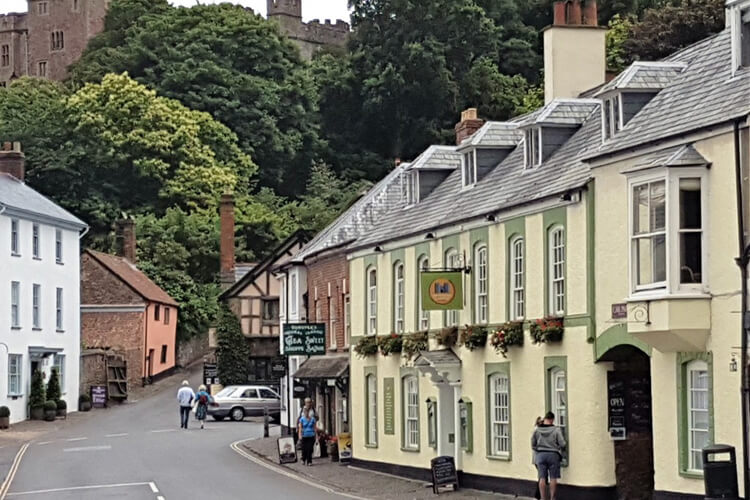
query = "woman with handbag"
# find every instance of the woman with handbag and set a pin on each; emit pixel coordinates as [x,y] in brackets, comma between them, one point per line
[307,433]
[202,400]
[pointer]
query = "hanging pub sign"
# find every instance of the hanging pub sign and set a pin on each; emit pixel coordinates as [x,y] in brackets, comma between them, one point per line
[305,339]
[442,290]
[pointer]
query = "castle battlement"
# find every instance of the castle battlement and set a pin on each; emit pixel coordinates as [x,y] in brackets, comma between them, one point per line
[13,21]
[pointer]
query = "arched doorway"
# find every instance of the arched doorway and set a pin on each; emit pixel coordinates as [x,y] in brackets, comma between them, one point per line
[629,388]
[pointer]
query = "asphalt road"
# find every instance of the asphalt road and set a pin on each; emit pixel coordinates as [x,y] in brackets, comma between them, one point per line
[138,451]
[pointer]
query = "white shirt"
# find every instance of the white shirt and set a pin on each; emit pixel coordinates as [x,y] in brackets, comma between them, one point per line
[185,396]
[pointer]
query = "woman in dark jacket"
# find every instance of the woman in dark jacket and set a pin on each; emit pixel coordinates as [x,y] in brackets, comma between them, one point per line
[202,400]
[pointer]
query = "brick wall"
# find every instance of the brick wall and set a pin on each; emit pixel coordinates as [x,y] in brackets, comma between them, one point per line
[330,270]
[119,331]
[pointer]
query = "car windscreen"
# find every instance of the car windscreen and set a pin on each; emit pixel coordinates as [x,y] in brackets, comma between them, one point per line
[226,392]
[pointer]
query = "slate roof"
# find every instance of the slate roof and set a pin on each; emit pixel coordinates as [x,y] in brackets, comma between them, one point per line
[20,198]
[704,94]
[436,158]
[441,357]
[133,277]
[569,112]
[361,216]
[508,184]
[494,135]
[643,75]
[677,156]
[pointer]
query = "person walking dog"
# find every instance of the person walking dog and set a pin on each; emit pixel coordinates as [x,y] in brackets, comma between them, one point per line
[548,445]
[185,397]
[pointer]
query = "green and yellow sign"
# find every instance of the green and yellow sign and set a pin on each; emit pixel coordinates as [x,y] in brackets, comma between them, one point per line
[442,290]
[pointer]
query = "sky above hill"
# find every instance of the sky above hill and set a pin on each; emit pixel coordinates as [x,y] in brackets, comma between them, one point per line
[311,9]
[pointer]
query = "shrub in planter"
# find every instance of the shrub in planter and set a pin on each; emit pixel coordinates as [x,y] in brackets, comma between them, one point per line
[504,336]
[50,410]
[367,346]
[37,396]
[414,343]
[53,386]
[448,336]
[548,329]
[4,417]
[62,408]
[84,402]
[390,344]
[474,336]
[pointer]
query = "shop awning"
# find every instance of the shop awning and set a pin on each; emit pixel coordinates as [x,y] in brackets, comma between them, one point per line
[324,367]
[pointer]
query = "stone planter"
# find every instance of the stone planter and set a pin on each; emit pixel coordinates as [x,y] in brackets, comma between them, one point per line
[4,422]
[85,405]
[62,413]
[49,415]
[37,413]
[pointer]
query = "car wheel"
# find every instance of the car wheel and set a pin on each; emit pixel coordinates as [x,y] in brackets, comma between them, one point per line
[218,418]
[238,414]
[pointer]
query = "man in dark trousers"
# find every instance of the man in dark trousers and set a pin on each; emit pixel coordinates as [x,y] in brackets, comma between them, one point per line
[185,398]
[548,444]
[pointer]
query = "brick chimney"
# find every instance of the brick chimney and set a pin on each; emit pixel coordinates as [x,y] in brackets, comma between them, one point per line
[125,239]
[469,124]
[12,160]
[226,240]
[574,50]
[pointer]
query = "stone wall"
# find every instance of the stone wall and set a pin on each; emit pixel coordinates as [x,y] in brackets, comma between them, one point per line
[121,332]
[189,351]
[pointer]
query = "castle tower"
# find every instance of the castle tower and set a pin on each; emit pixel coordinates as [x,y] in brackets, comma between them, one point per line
[284,8]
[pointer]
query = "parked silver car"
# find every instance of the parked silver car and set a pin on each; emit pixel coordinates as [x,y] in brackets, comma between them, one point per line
[240,401]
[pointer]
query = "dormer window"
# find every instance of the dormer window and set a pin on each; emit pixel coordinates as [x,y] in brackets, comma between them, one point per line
[611,116]
[533,147]
[745,37]
[410,187]
[469,168]
[739,16]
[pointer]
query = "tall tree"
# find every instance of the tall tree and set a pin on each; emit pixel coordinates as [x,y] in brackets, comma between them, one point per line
[232,350]
[224,60]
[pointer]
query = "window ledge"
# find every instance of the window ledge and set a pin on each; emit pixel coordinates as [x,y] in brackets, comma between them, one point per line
[60,263]
[60,331]
[36,329]
[499,458]
[13,254]
[691,474]
[15,328]
[371,446]
[662,295]
[38,258]
[410,450]
[15,396]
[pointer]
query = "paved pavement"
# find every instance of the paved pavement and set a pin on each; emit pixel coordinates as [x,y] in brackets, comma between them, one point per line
[137,451]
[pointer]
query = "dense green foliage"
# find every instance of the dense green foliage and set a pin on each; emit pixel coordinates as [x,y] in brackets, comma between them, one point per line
[233,349]
[53,386]
[37,394]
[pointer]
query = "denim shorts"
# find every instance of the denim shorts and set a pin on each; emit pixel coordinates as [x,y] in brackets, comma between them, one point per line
[548,464]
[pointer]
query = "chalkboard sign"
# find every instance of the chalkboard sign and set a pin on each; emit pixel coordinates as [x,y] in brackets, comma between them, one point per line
[287,450]
[278,367]
[210,373]
[99,396]
[616,405]
[443,473]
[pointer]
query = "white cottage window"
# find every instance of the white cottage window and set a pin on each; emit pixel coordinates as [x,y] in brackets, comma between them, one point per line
[398,297]
[481,285]
[556,271]
[411,412]
[698,416]
[500,414]
[372,301]
[424,316]
[517,279]
[452,261]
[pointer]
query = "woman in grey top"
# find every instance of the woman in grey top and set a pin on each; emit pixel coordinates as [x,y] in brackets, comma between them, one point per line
[548,445]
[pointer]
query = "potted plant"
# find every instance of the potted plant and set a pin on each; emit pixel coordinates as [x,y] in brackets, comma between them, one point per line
[390,344]
[62,408]
[367,346]
[474,336]
[504,336]
[414,343]
[333,449]
[53,386]
[549,329]
[37,396]
[448,336]
[4,417]
[50,410]
[84,402]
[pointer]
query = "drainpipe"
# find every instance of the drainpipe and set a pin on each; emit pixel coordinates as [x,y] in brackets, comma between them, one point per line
[742,261]
[289,382]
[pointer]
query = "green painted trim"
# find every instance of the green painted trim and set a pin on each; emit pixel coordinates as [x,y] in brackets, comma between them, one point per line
[370,370]
[397,255]
[491,369]
[590,261]
[578,320]
[513,228]
[421,250]
[403,373]
[683,359]
[389,383]
[561,362]
[553,218]
[453,241]
[618,335]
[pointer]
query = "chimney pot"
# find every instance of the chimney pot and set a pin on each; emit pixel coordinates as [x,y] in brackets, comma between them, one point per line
[469,124]
[226,240]
[575,14]
[590,14]
[12,160]
[126,240]
[559,14]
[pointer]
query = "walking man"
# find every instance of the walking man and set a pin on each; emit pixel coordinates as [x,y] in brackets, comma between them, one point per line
[185,398]
[548,444]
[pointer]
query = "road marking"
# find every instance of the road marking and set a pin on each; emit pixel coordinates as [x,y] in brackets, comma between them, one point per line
[284,472]
[42,443]
[76,439]
[88,448]
[153,487]
[160,497]
[122,434]
[76,488]
[164,430]
[12,472]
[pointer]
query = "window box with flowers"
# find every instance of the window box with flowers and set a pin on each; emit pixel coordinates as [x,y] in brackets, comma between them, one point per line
[390,344]
[414,343]
[548,329]
[448,336]
[504,336]
[474,336]
[367,346]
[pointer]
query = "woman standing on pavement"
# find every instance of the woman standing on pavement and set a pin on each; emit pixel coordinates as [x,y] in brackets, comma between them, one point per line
[306,429]
[202,400]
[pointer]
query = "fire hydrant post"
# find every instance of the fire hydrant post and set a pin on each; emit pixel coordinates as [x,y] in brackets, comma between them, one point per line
[265,421]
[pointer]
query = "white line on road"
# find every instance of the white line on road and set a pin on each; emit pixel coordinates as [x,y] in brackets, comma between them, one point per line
[164,430]
[88,448]
[122,434]
[153,487]
[12,472]
[77,488]
[160,497]
[77,439]
[42,443]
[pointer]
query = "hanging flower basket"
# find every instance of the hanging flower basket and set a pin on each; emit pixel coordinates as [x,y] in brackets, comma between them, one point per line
[414,343]
[448,336]
[367,346]
[390,344]
[506,335]
[474,336]
[548,329]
